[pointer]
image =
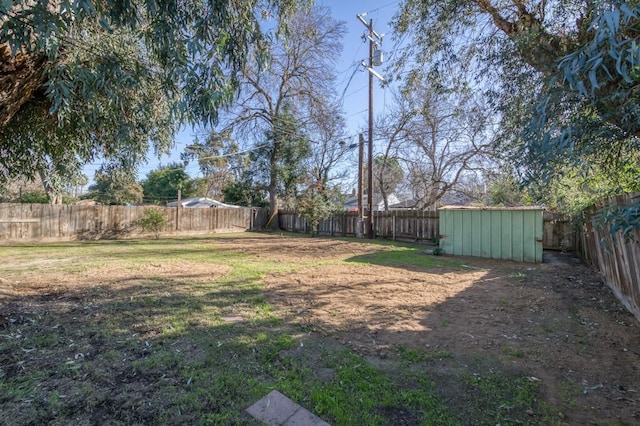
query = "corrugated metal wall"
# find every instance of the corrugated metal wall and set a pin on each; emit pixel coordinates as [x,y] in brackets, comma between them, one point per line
[510,233]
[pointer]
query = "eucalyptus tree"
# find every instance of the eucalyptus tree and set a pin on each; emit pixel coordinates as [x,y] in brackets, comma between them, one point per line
[84,79]
[88,110]
[560,75]
[280,98]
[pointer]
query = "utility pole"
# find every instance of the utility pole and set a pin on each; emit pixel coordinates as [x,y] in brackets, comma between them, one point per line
[360,221]
[370,153]
[373,38]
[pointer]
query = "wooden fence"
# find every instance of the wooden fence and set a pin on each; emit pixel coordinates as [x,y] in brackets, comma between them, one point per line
[559,232]
[25,222]
[617,258]
[396,225]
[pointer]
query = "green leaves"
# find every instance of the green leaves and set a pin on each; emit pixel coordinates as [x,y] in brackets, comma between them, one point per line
[120,75]
[115,186]
[162,185]
[152,221]
[621,219]
[610,55]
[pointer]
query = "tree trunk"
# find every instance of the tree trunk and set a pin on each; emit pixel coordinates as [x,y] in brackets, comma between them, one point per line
[21,77]
[54,194]
[274,204]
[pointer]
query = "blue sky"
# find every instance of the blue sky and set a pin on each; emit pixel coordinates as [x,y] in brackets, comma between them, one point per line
[355,92]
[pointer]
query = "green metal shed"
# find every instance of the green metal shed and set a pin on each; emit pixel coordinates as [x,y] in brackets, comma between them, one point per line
[511,233]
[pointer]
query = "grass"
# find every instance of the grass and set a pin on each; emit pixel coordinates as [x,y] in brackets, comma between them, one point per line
[415,356]
[505,398]
[398,254]
[159,351]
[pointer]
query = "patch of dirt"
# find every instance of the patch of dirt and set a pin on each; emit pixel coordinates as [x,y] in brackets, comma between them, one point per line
[106,278]
[556,323]
[297,250]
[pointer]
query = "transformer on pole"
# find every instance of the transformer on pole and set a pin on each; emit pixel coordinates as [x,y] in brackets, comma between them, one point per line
[375,59]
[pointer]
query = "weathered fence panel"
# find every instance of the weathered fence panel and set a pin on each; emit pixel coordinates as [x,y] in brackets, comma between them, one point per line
[77,222]
[617,258]
[407,225]
[559,232]
[396,225]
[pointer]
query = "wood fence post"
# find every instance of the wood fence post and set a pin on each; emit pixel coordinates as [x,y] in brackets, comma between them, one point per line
[393,225]
[178,206]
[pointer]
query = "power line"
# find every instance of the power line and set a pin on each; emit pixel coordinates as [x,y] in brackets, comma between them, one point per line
[377,9]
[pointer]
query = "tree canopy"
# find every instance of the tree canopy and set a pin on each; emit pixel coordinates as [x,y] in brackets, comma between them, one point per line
[277,104]
[561,75]
[114,186]
[162,184]
[107,104]
[81,80]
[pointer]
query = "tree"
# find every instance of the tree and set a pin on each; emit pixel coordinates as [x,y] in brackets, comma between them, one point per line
[387,175]
[278,101]
[163,184]
[219,161]
[25,190]
[83,79]
[504,190]
[114,186]
[244,192]
[581,187]
[328,146]
[439,136]
[562,71]
[126,111]
[317,203]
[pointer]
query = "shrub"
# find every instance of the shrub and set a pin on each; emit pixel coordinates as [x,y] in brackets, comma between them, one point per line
[152,221]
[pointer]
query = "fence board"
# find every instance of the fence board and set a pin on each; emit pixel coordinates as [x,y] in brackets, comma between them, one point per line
[617,258]
[558,232]
[77,222]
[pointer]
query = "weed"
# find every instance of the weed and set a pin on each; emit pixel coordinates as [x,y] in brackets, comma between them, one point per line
[516,275]
[360,394]
[417,355]
[512,352]
[502,398]
[545,329]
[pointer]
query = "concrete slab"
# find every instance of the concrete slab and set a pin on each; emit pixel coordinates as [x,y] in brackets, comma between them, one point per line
[277,410]
[304,417]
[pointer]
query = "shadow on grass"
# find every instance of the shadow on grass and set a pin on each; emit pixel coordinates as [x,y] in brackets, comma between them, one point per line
[149,352]
[156,351]
[493,336]
[412,258]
